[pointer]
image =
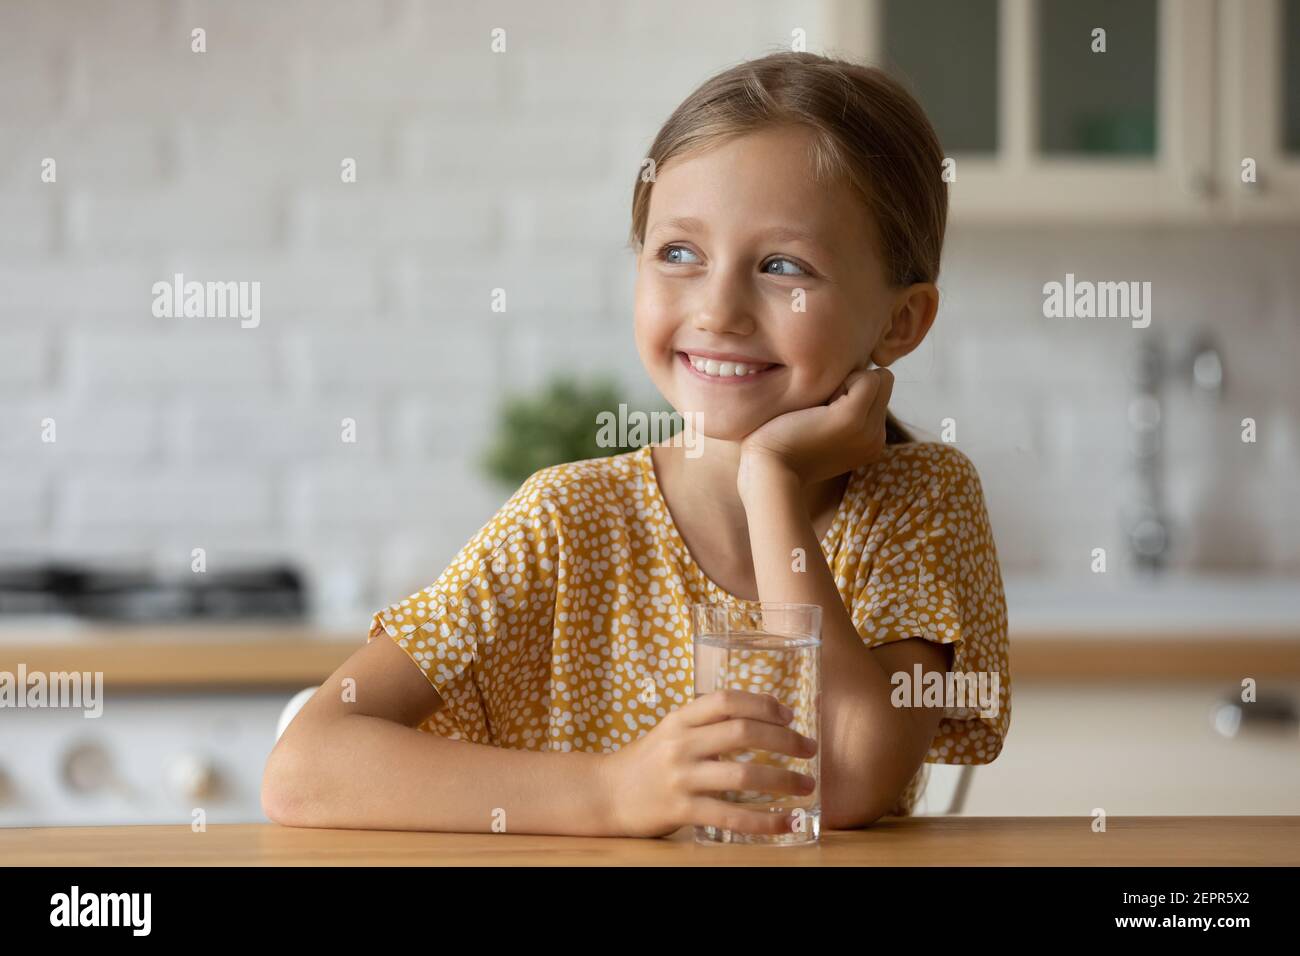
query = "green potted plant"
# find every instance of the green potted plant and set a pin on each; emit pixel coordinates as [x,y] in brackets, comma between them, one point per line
[554,425]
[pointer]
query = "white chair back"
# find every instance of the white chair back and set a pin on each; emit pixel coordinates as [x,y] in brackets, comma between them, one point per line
[945,790]
[291,709]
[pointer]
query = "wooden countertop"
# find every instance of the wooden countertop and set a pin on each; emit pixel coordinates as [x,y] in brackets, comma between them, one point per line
[924,841]
[296,656]
[187,657]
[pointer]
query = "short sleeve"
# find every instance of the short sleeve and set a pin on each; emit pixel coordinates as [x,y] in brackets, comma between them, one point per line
[481,632]
[933,573]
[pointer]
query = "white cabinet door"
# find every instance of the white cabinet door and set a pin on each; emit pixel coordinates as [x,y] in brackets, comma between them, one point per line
[1260,105]
[1137,749]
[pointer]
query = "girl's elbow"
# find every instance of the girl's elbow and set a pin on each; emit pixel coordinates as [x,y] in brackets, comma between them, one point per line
[855,814]
[285,789]
[852,820]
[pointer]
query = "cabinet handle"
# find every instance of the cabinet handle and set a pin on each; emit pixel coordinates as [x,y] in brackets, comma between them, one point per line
[1271,713]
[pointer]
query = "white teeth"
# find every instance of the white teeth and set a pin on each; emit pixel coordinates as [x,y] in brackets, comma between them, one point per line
[723,369]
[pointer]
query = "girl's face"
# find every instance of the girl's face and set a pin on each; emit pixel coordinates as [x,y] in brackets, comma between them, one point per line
[738,239]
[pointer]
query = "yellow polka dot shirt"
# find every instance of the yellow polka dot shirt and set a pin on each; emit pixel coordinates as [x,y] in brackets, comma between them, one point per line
[548,626]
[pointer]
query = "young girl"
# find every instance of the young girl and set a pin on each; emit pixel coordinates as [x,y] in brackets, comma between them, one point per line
[788,237]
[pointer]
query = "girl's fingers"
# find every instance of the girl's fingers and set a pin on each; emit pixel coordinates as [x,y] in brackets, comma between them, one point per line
[884,388]
[716,776]
[726,704]
[712,812]
[745,733]
[846,386]
[857,377]
[886,382]
[877,414]
[859,388]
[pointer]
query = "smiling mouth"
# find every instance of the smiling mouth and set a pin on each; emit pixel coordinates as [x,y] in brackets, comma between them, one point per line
[725,373]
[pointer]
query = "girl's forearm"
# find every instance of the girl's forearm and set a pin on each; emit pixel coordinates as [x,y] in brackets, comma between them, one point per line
[362,772]
[862,772]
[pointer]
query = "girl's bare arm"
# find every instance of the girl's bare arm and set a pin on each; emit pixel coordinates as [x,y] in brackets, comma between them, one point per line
[363,765]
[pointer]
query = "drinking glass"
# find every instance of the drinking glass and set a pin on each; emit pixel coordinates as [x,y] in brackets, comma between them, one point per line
[765,648]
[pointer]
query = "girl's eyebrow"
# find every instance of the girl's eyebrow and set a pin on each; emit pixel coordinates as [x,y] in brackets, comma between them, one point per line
[684,223]
[793,233]
[690,223]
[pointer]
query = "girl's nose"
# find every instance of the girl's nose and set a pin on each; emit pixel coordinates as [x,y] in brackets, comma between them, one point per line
[726,305]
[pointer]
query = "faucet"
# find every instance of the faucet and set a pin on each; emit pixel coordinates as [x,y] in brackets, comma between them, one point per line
[1199,361]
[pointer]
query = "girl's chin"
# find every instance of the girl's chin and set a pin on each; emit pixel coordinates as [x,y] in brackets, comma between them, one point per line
[718,424]
[720,412]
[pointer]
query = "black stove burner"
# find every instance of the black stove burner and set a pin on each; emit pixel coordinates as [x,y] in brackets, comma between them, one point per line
[54,588]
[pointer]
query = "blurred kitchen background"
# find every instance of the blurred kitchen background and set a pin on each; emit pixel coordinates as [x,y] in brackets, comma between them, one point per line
[478,170]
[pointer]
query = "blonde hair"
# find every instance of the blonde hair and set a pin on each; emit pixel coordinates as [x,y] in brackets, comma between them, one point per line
[869,132]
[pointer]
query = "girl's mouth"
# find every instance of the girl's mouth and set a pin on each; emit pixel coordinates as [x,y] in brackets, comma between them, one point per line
[725,373]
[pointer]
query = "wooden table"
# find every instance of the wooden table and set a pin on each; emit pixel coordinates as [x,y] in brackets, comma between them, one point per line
[925,841]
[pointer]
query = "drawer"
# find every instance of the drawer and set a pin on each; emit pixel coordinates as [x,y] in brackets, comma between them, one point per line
[1139,748]
[148,759]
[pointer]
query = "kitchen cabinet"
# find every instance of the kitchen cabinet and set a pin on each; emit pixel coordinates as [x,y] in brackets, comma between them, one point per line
[1139,747]
[154,757]
[1044,126]
[1260,106]
[186,721]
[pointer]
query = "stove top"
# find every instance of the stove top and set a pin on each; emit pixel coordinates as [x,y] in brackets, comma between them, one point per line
[63,589]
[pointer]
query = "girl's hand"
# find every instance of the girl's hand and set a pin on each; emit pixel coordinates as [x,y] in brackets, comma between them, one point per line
[818,443]
[667,779]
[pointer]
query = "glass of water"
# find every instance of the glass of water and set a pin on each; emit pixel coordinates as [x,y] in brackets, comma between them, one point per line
[774,649]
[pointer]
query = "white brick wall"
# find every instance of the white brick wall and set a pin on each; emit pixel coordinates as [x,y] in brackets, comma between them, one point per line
[477,172]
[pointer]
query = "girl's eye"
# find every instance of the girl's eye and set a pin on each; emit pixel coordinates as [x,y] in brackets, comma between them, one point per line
[666,251]
[673,254]
[788,262]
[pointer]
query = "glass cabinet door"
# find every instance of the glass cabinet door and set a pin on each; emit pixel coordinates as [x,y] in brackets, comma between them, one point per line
[1095,92]
[1097,68]
[1094,110]
[947,53]
[1290,71]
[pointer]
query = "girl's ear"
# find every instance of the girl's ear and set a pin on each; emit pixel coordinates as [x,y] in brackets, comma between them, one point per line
[912,315]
